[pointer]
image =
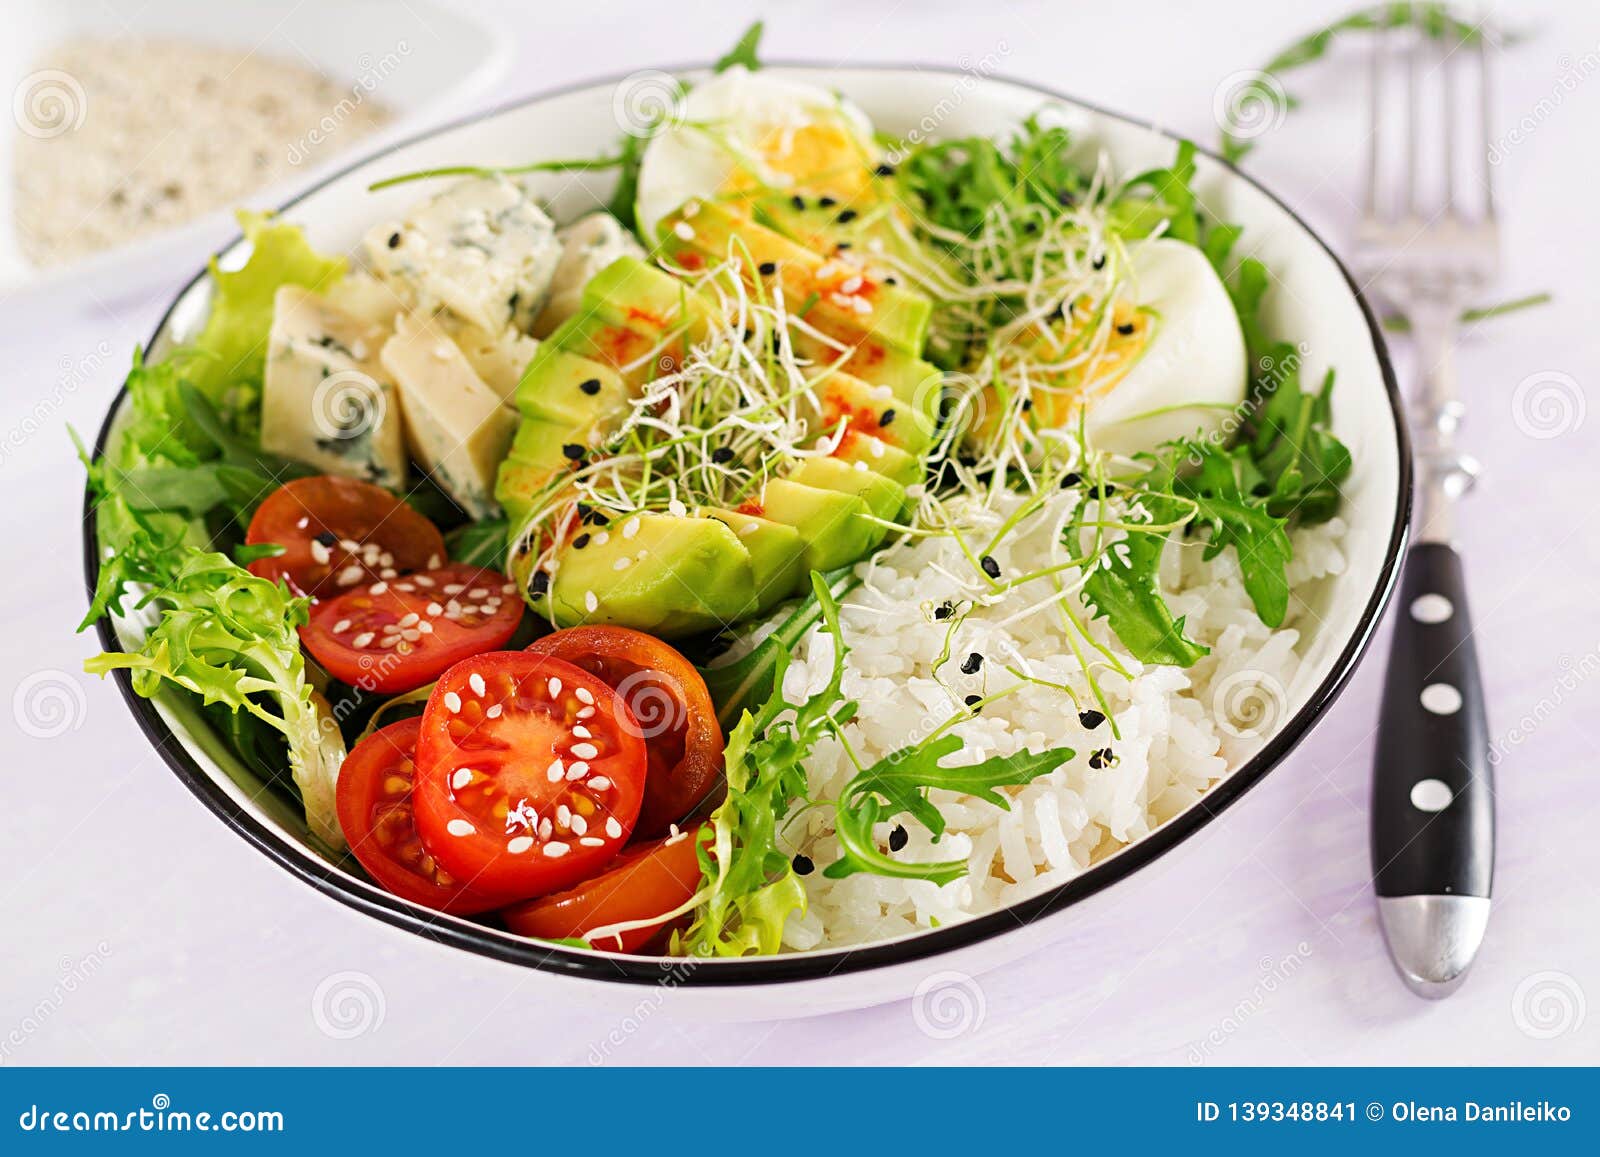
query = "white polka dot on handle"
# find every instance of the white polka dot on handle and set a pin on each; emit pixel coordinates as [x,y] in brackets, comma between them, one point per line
[1441,699]
[1431,795]
[1432,608]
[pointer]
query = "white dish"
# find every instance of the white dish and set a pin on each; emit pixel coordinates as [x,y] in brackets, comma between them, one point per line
[1314,300]
[423,61]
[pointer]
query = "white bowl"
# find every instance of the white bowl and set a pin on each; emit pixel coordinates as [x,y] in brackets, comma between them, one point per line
[1314,300]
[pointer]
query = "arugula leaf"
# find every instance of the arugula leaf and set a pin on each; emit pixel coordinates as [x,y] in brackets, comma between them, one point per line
[622,205]
[751,886]
[744,52]
[897,784]
[479,543]
[230,638]
[1124,588]
[1169,196]
[1222,490]
[754,677]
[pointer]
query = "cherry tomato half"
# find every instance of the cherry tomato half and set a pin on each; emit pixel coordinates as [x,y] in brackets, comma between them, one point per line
[529,774]
[374,802]
[668,699]
[397,634]
[647,880]
[338,533]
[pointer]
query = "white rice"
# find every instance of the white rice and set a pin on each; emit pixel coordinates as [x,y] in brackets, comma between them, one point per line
[1181,729]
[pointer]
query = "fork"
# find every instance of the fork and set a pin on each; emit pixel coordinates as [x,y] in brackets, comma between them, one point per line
[1432,838]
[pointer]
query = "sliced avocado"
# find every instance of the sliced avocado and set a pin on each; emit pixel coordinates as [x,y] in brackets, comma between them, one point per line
[884,497]
[571,390]
[777,554]
[881,458]
[872,410]
[518,486]
[670,576]
[894,314]
[914,381]
[548,444]
[635,355]
[635,293]
[837,527]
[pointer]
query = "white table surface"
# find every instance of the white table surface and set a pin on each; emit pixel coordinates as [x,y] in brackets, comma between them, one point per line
[139,929]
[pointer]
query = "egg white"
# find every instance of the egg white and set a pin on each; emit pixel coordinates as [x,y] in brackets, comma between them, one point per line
[1190,378]
[725,124]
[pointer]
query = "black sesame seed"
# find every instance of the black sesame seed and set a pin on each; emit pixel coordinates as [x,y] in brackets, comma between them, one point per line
[826,202]
[394,241]
[898,838]
[1125,328]
[722,454]
[891,281]
[887,417]
[944,610]
[841,247]
[1070,479]
[1100,261]
[803,865]
[1030,227]
[990,567]
[846,216]
[1067,197]
[970,665]
[580,542]
[884,170]
[327,538]
[973,701]
[541,582]
[590,386]
[1107,490]
[768,268]
[1091,719]
[573,451]
[797,201]
[1027,404]
[1100,759]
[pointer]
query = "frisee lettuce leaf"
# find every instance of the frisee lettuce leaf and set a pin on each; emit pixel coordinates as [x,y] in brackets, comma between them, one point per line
[230,638]
[897,784]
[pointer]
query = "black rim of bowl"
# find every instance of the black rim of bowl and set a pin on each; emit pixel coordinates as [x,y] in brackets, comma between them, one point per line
[492,943]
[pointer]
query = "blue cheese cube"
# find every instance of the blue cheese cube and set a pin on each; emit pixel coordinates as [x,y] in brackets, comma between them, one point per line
[325,400]
[498,359]
[457,427]
[481,250]
[588,245]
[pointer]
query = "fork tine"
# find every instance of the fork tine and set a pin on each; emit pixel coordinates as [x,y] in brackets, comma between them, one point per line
[1448,67]
[1485,118]
[1413,139]
[1375,125]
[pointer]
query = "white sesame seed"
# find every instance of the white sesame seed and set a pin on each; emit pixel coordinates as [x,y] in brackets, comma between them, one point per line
[590,602]
[545,828]
[850,285]
[411,636]
[584,695]
[613,828]
[350,575]
[459,828]
[600,783]
[563,816]
[519,845]
[631,527]
[425,628]
[555,687]
[578,770]
[319,552]
[684,230]
[378,588]
[435,562]
[555,771]
[452,702]
[364,639]
[435,609]
[404,587]
[508,588]
[622,563]
[582,732]
[387,572]
[578,824]
[410,619]
[602,538]
[422,580]
[461,778]
[585,750]
[341,626]
[592,842]
[585,712]
[477,593]
[454,588]
[303,523]
[349,545]
[555,849]
[475,681]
